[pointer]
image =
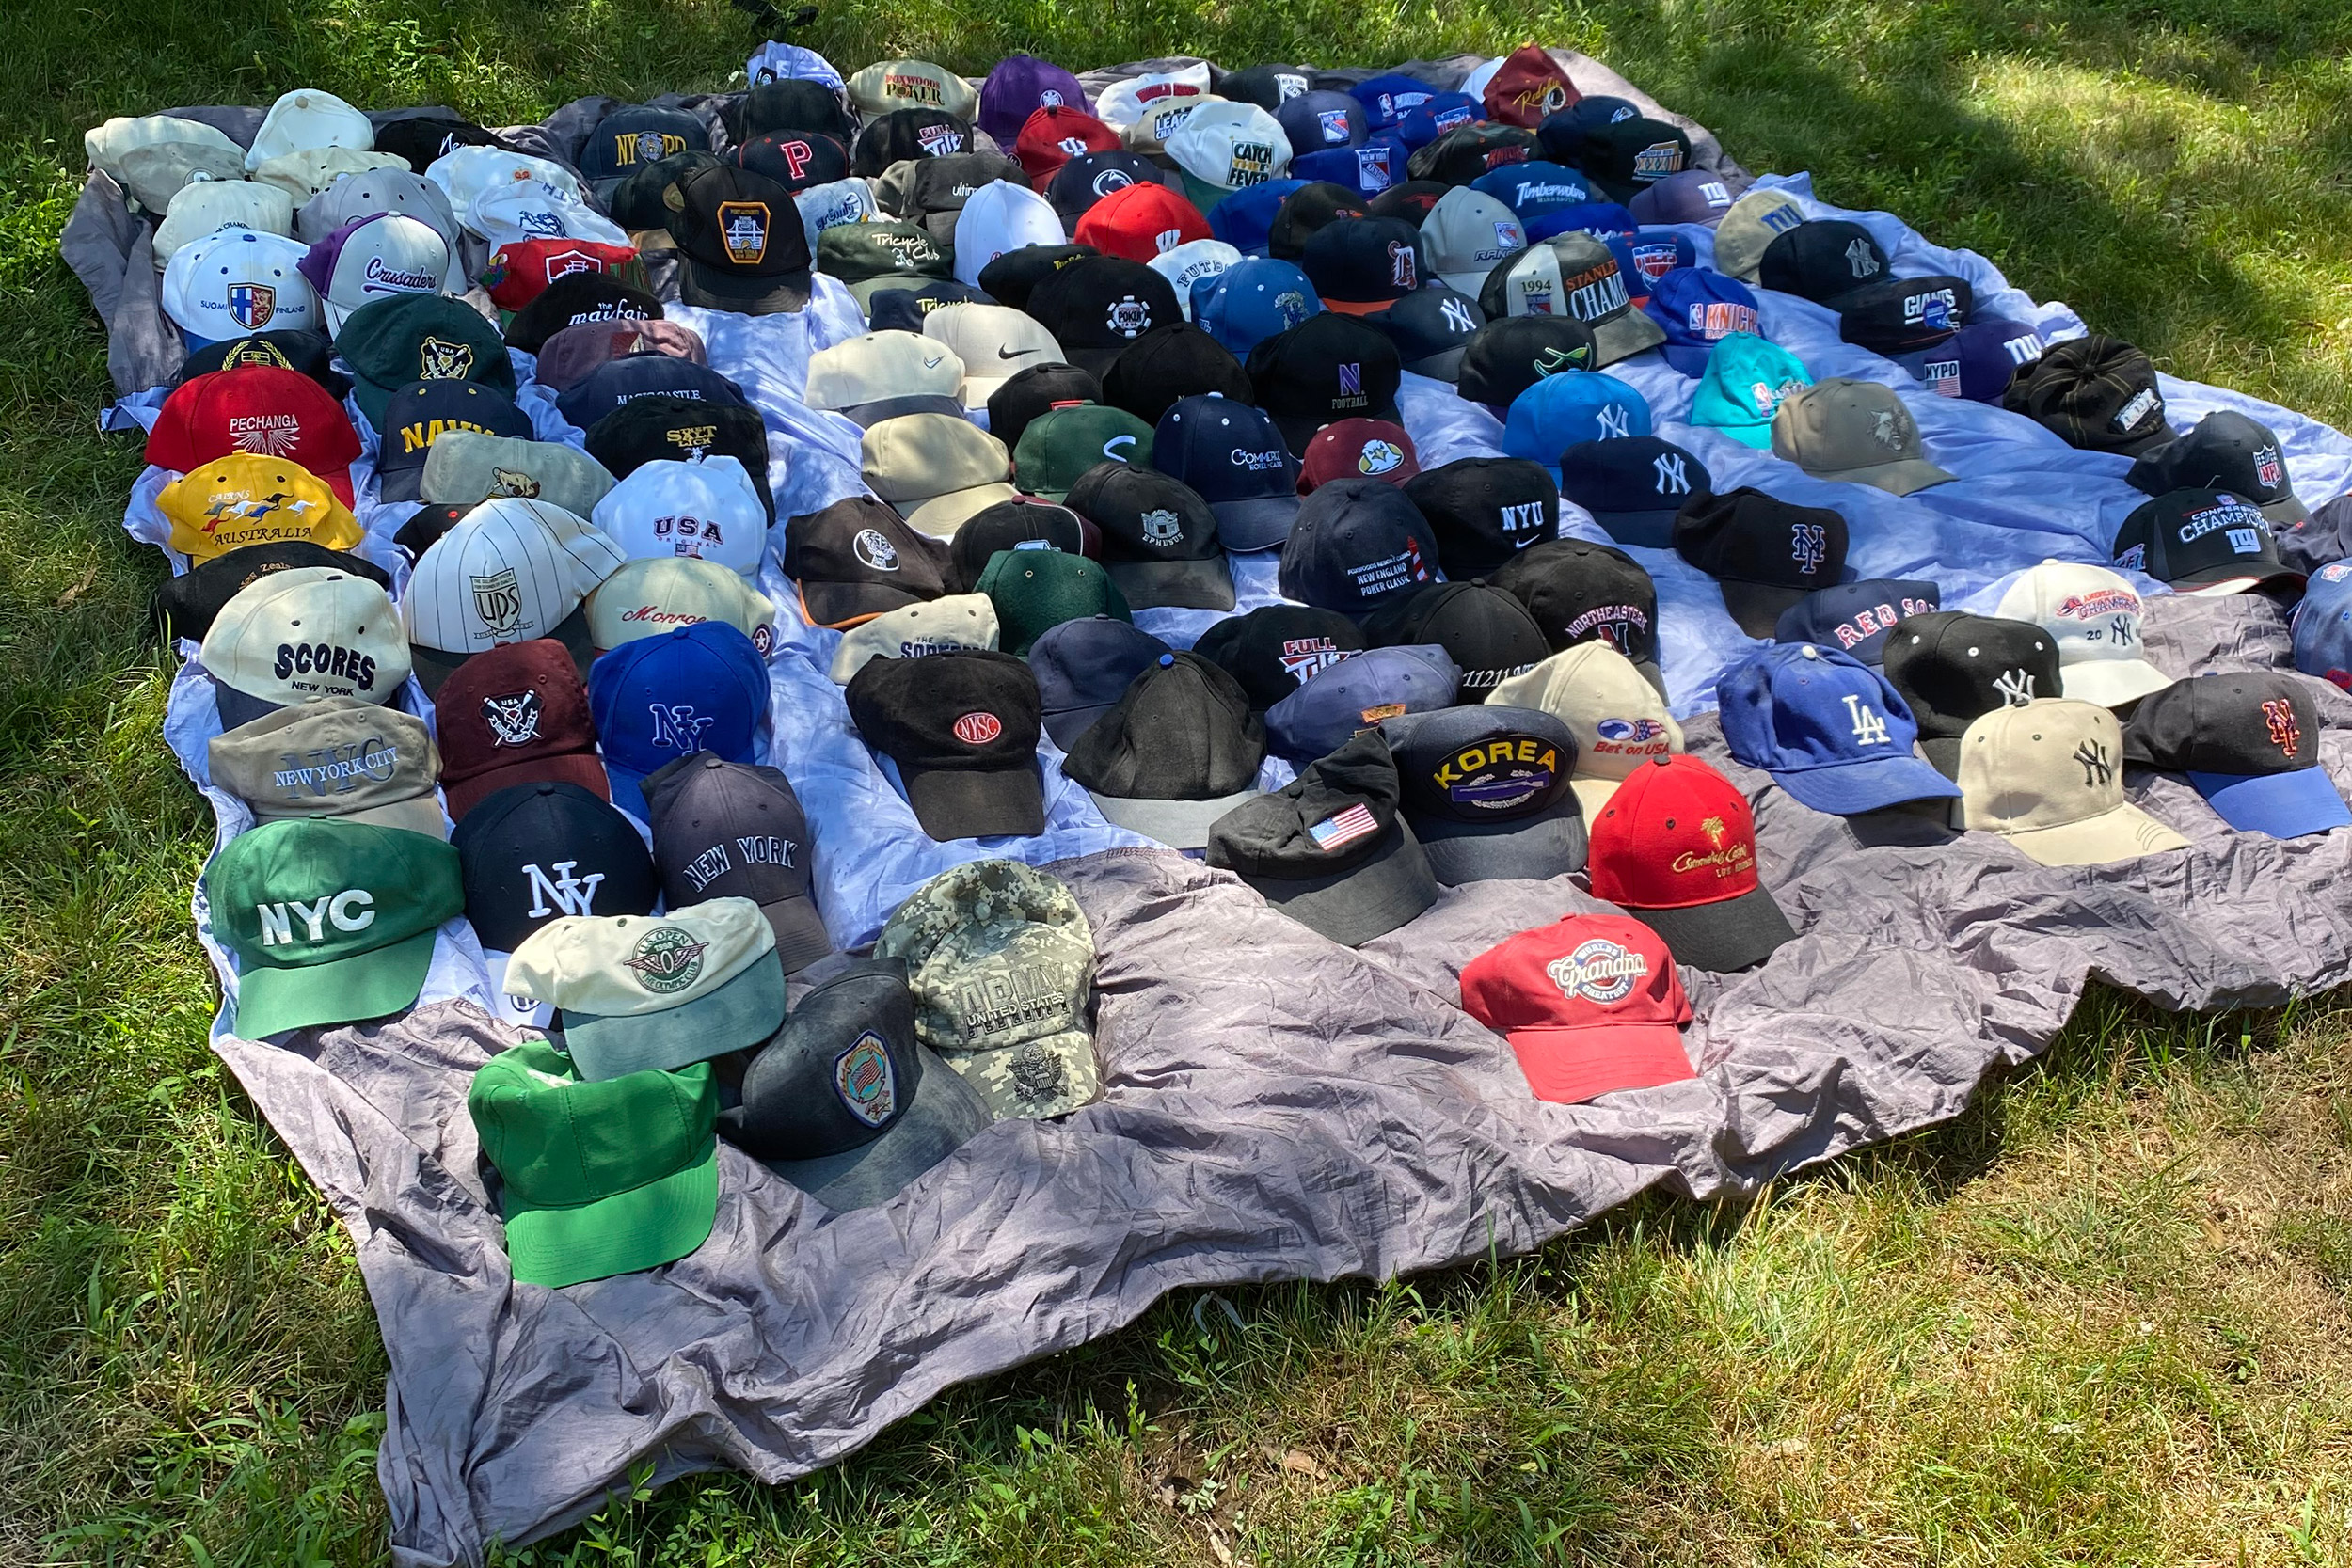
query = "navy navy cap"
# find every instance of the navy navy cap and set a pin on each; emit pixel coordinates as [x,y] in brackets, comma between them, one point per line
[1083,180]
[905,310]
[1646,255]
[1258,299]
[1535,187]
[1432,328]
[702,687]
[1084,667]
[1489,633]
[1483,511]
[1485,790]
[1694,196]
[1246,218]
[617,383]
[1356,546]
[1274,649]
[1601,219]
[1434,118]
[1389,99]
[1233,457]
[1358,694]
[421,413]
[1369,167]
[1699,309]
[1633,486]
[1829,728]
[1855,617]
[1315,120]
[1977,363]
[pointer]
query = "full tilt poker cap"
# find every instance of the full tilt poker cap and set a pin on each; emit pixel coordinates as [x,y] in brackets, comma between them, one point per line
[1369,688]
[1953,667]
[1358,546]
[336,757]
[702,687]
[1675,845]
[1828,728]
[652,993]
[2202,542]
[1159,537]
[1591,1005]
[1179,750]
[331,922]
[596,1179]
[952,624]
[1617,718]
[844,1101]
[1276,649]
[1763,553]
[403,338]
[1001,961]
[2226,451]
[1232,456]
[1855,431]
[645,598]
[516,715]
[1331,851]
[299,635]
[2093,617]
[268,411]
[2048,776]
[1857,618]
[1486,792]
[726,830]
[243,500]
[962,730]
[703,509]
[513,570]
[740,242]
[2249,744]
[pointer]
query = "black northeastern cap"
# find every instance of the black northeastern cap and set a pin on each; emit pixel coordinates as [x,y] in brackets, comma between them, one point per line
[1359,265]
[1328,367]
[1485,631]
[792,104]
[647,430]
[186,605]
[904,134]
[2226,451]
[1482,511]
[2096,393]
[1822,258]
[1312,206]
[1633,486]
[1466,151]
[1580,592]
[425,526]
[1510,354]
[426,140]
[1276,649]
[1084,667]
[1159,537]
[795,159]
[843,1101]
[1358,545]
[421,413]
[533,853]
[1173,360]
[642,199]
[1408,200]
[1039,389]
[1331,851]
[1086,179]
[1487,791]
[574,298]
[1175,752]
[1011,278]
[1026,522]
[857,559]
[1432,328]
[1764,553]
[741,246]
[2202,540]
[311,353]
[1903,315]
[730,830]
[962,728]
[1098,305]
[1856,618]
[1953,668]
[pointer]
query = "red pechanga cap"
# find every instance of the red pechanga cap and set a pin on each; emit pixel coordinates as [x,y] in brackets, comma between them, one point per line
[1591,1004]
[264,410]
[1678,843]
[1141,221]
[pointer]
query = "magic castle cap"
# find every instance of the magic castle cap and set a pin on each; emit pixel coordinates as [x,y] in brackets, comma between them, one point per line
[1675,845]
[1505,357]
[1580,592]
[702,687]
[2048,776]
[963,729]
[2249,742]
[2202,542]
[2225,452]
[1744,385]
[1359,692]
[1591,1005]
[1858,432]
[264,410]
[1357,545]
[1276,649]
[1483,511]
[1952,668]
[1331,851]
[857,559]
[299,635]
[1232,456]
[740,242]
[1828,728]
[727,830]
[466,466]
[336,757]
[657,429]
[646,598]
[703,509]
[516,715]
[1159,539]
[2095,392]
[422,412]
[2093,617]
[412,336]
[235,281]
[532,853]
[1488,634]
[1765,554]
[1486,789]
[185,605]
[1856,618]
[513,570]
[1178,749]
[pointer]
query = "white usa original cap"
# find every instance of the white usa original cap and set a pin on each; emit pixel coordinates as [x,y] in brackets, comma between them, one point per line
[705,509]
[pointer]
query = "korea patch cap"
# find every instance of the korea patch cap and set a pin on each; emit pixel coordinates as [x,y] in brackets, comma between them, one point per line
[1232,456]
[727,829]
[741,246]
[963,729]
[1177,360]
[702,687]
[1675,846]
[1952,668]
[1487,633]
[1856,433]
[1276,649]
[533,853]
[1856,618]
[2094,392]
[1828,728]
[421,413]
[1159,537]
[652,993]
[1764,553]
[1634,487]
[1563,411]
[1252,301]
[1084,667]
[2205,542]
[412,336]
[1591,1005]
[336,757]
[2225,451]
[1505,357]
[1357,693]
[857,559]
[1580,592]
[1356,546]
[1486,789]
[1745,383]
[1328,367]
[1618,719]
[185,605]
[298,635]
[516,715]
[1179,750]
[2249,742]
[2093,616]
[2048,777]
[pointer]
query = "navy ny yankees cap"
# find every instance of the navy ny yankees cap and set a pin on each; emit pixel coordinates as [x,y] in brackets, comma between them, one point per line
[1509,355]
[1764,553]
[731,830]
[1232,455]
[1486,788]
[2225,452]
[533,853]
[1082,669]
[1432,328]
[1358,546]
[2206,542]
[2249,742]
[1823,259]
[1580,592]
[1276,649]
[1856,618]
[1953,668]
[1487,633]
[1634,486]
[1483,511]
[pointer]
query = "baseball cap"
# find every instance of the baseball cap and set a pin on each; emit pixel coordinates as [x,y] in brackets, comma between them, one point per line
[904,136]
[1950,668]
[1306,212]
[464,466]
[1612,225]
[1328,367]
[577,298]
[1173,361]
[1368,168]
[336,757]
[872,255]
[727,831]
[1634,486]
[740,244]
[208,206]
[295,636]
[1084,667]
[1745,381]
[1055,135]
[1694,196]
[937,469]
[330,921]
[2226,451]
[2249,742]
[513,570]
[1267,86]
[1035,590]
[702,687]
[1828,728]
[264,410]
[245,498]
[156,173]
[1485,631]
[1023,523]
[2095,392]
[1463,150]
[534,209]
[856,558]
[1764,553]
[1675,843]
[1572,275]
[1388,99]
[2322,626]
[1432,327]
[1485,790]
[1245,220]
[1358,265]
[421,413]
[1020,84]
[1358,449]
[1359,692]
[464,173]
[794,103]
[306,119]
[993,344]
[1140,221]
[1318,119]
[1276,649]
[1356,546]
[882,375]
[1060,444]
[1412,200]
[1904,315]
[1629,154]
[704,508]
[1748,227]
[1975,362]
[1857,432]
[1590,1005]
[1192,262]
[186,605]
[1222,147]
[1097,305]
[1534,188]
[1617,716]
[424,137]
[532,853]
[951,624]
[645,598]
[1178,749]
[839,201]
[638,375]
[2093,618]
[308,353]
[887,85]
[374,257]
[1090,177]
[641,200]
[1578,592]
[660,428]
[235,281]
[2048,776]
[108,145]
[1433,118]
[1822,258]
[1562,411]
[1331,850]
[2205,542]
[1527,88]
[1698,308]
[393,341]
[1507,356]
[517,715]
[795,159]
[1012,277]
[1856,618]
[635,135]
[962,730]
[1482,511]
[998,220]
[902,304]
[1159,537]
[1251,301]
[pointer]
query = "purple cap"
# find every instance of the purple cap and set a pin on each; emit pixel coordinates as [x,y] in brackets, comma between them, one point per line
[1977,361]
[1021,86]
[1694,196]
[1357,693]
[1698,308]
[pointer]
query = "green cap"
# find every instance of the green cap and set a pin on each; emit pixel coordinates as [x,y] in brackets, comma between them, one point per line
[857,252]
[1747,378]
[1035,591]
[1001,961]
[330,921]
[391,341]
[601,1178]
[1062,443]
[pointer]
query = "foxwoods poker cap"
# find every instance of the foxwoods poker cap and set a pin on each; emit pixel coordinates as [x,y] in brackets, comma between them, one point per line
[1084,667]
[186,605]
[1486,789]
[1328,367]
[1357,545]
[1482,511]
[1828,728]
[2226,451]
[962,730]
[740,242]
[1856,618]
[1274,650]
[2095,392]
[857,559]
[2249,742]
[2204,541]
[2093,616]
[1505,357]
[1179,750]
[533,853]
[1580,592]
[1952,668]
[301,634]
[1634,486]
[1233,457]
[2048,777]
[1377,685]
[730,830]
[336,757]
[1487,633]
[1590,1005]
[1675,845]
[1764,553]
[1159,537]
[702,687]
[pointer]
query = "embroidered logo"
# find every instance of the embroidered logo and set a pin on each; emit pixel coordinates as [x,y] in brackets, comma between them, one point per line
[667,960]
[2279,718]
[498,602]
[565,893]
[513,718]
[677,726]
[978,728]
[875,551]
[862,1076]
[1808,545]
[743,231]
[1599,971]
[438,360]
[1380,457]
[1162,527]
[2098,768]
[1670,476]
[1332,832]
[252,305]
[1869,728]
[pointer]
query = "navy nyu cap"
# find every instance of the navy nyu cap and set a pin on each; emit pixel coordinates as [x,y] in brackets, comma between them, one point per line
[1485,790]
[1855,617]
[1829,728]
[1232,456]
[1633,486]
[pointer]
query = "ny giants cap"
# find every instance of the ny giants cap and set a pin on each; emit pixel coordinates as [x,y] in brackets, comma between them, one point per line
[2048,777]
[1357,545]
[1356,693]
[702,687]
[1618,719]
[1952,668]
[1695,195]
[857,559]
[1828,728]
[2202,542]
[727,830]
[2322,626]
[2249,743]
[1905,315]
[1487,633]
[1978,363]
[516,715]
[1486,789]
[1856,618]
[1179,750]
[1276,649]
[2225,452]
[336,757]
[1676,844]
[2093,617]
[1591,1005]
[962,730]
[1744,233]
[1765,554]
[298,635]
[1331,851]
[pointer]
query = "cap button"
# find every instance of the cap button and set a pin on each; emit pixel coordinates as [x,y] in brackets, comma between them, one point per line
[545,790]
[1806,650]
[712,760]
[1167,661]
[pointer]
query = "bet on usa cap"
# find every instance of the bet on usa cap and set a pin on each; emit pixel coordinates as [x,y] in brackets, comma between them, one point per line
[2093,616]
[336,757]
[299,635]
[1179,750]
[533,853]
[1232,456]
[1357,693]
[2202,542]
[1331,850]
[2048,776]
[235,282]
[1675,845]
[1487,633]
[372,258]
[1616,718]
[2249,742]
[245,499]
[465,468]
[1483,511]
[1765,554]
[1857,617]
[2225,452]
[1001,961]
[185,605]
[1858,432]
[955,622]
[1952,668]
[645,598]
[516,715]
[1358,544]
[1486,789]
[1159,537]
[1633,486]
[880,375]
[1591,1005]
[1276,649]
[1580,592]
[844,1101]
[513,570]
[652,993]
[1084,667]
[703,509]
[331,922]
[1828,728]
[2095,392]
[726,830]
[961,729]
[702,687]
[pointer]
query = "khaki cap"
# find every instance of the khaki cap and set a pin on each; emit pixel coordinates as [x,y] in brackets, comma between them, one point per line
[1755,221]
[464,467]
[880,375]
[645,598]
[2048,776]
[1855,432]
[937,469]
[957,621]
[339,757]
[1618,719]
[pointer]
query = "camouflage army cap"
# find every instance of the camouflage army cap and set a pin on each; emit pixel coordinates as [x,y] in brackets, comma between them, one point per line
[1002,964]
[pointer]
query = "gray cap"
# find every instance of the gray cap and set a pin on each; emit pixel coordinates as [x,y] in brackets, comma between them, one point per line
[336,756]
[376,190]
[464,466]
[1859,432]
[153,174]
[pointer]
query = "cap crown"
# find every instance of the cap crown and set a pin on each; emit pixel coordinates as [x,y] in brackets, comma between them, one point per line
[1586,972]
[309,633]
[520,703]
[2046,764]
[1952,667]
[2090,613]
[1618,719]
[629,965]
[331,757]
[533,853]
[559,1142]
[2234,723]
[702,687]
[1580,592]
[311,890]
[1673,835]
[1793,707]
[245,498]
[513,570]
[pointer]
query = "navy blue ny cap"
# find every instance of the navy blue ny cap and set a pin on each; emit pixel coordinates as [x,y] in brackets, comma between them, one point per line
[1829,728]
[1084,667]
[906,309]
[1368,169]
[1485,790]
[1694,196]
[1246,218]
[1432,328]
[1977,363]
[1358,544]
[1633,486]
[617,383]
[1358,694]
[1386,100]
[1855,617]
[421,413]
[1233,457]
[1316,121]
[1434,118]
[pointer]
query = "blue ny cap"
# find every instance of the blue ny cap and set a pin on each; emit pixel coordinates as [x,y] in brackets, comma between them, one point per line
[1422,126]
[1386,100]
[1233,457]
[1855,617]
[2323,626]
[1829,728]
[1978,361]
[1646,255]
[1317,120]
[1560,411]
[1533,188]
[1633,486]
[702,687]
[1083,668]
[1369,167]
[1601,219]
[1357,693]
[1699,309]
[1252,301]
[1244,219]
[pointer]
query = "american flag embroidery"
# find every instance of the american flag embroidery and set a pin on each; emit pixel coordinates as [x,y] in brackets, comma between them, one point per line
[1346,827]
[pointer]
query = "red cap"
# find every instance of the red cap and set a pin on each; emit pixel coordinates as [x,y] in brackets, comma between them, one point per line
[1591,1006]
[519,272]
[1140,221]
[265,409]
[1050,137]
[1358,449]
[1528,86]
[516,715]
[1674,834]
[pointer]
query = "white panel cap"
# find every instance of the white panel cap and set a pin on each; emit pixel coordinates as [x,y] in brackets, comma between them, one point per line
[705,509]
[106,144]
[235,282]
[998,217]
[208,206]
[510,571]
[534,210]
[307,117]
[464,172]
[1191,261]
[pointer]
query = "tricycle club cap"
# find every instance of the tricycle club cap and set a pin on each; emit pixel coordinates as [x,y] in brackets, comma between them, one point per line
[963,729]
[1828,728]
[1764,553]
[1179,750]
[1591,1005]
[2048,776]
[1487,791]
[1675,843]
[2249,743]
[533,853]
[729,830]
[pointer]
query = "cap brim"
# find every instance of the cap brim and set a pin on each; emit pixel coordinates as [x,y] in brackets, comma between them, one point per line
[1066,725]
[433,666]
[997,1075]
[1867,785]
[1259,522]
[1895,479]
[866,416]
[2124,833]
[801,938]
[735,1015]
[714,290]
[2286,513]
[1445,365]
[1942,754]
[941,516]
[2284,805]
[400,485]
[365,985]
[839,605]
[1178,824]
[1568,1067]
[1758,606]
[1203,584]
[584,768]
[945,1114]
[2110,682]
[2219,581]
[623,1233]
[1623,336]
[418,813]
[1649,530]
[965,802]
[2137,445]
[1360,307]
[1550,844]
[1370,900]
[1689,359]
[1732,934]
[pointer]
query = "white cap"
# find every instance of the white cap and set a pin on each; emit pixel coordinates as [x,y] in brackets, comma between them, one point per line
[1159,120]
[704,508]
[300,634]
[790,63]
[1191,261]
[1227,146]
[510,571]
[105,145]
[155,173]
[464,172]
[307,117]
[994,343]
[534,210]
[1121,104]
[235,282]
[1482,73]
[1465,234]
[1001,216]
[2093,616]
[884,374]
[836,201]
[955,624]
[208,206]
[377,190]
[302,175]
[384,255]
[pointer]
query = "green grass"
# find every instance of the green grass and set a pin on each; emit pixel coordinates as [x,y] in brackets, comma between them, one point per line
[2102,1319]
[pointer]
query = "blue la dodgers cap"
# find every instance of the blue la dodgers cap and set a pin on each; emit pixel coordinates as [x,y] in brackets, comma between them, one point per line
[1368,168]
[1425,124]
[1698,309]
[1855,617]
[1357,693]
[1978,361]
[1233,457]
[1245,220]
[1828,728]
[1386,100]
[1485,790]
[2323,626]
[1533,188]
[1084,667]
[702,687]
[1633,486]
[1559,411]
[1256,299]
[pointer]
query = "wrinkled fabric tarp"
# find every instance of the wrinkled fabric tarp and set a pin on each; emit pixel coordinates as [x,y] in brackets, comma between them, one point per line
[1276,1107]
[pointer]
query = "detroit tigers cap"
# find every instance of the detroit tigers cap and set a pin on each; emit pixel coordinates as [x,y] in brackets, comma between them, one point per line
[2093,616]
[856,558]
[1487,632]
[2248,741]
[1675,845]
[421,413]
[701,508]
[1855,432]
[1828,728]
[1618,718]
[1063,443]
[1580,592]
[1694,196]
[1328,367]
[185,605]
[1952,668]
[336,757]
[1591,1005]
[1856,618]
[1179,750]
[1905,315]
[1084,667]
[1634,487]
[464,466]
[266,410]
[962,730]
[2225,451]
[516,715]
[1037,590]
[533,853]
[1232,456]
[576,299]
[1098,305]
[1764,553]
[1506,357]
[2048,777]
[1023,522]
[1432,327]
[1486,789]
[1482,511]
[702,687]
[1821,259]
[1563,411]
[1169,362]
[391,341]
[1358,693]
[1255,299]
[1467,235]
[727,829]
[741,245]
[2206,542]
[2095,392]
[302,634]
[945,625]
[235,282]
[1159,537]
[1358,544]
[1698,308]
[1276,649]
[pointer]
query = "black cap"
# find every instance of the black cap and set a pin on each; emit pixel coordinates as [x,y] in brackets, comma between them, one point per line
[1466,151]
[1039,389]
[574,298]
[186,605]
[1269,87]
[795,159]
[934,194]
[1313,206]
[1486,788]
[1086,179]
[1026,522]
[1173,360]
[1510,354]
[1482,511]
[310,354]
[1633,486]
[962,728]
[792,105]
[1408,200]
[1276,649]
[1580,592]
[1953,668]
[843,1101]
[645,197]
[1622,154]
[1358,546]
[1432,328]
[2096,393]
[1084,667]
[1903,315]
[421,413]
[1356,264]
[1856,618]
[1822,258]
[2248,741]
[857,559]
[1172,756]
[1098,305]
[2226,451]
[1328,367]
[1485,631]
[1331,851]
[533,853]
[1011,278]
[1763,552]
[729,830]
[2206,540]
[741,246]
[904,134]
[426,139]
[647,430]
[1159,537]
[425,526]
[895,252]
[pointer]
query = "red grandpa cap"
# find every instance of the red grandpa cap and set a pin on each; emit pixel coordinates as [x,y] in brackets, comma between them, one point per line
[1591,1005]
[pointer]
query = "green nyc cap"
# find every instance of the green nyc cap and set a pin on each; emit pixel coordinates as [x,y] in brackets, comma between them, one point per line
[1035,591]
[1062,443]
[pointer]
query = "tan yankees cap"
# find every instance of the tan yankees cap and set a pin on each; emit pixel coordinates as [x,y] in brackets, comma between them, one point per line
[464,466]
[1755,221]
[955,624]
[993,343]
[510,571]
[297,636]
[885,375]
[1856,432]
[2093,616]
[1618,719]
[2048,776]
[339,757]
[937,469]
[645,598]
